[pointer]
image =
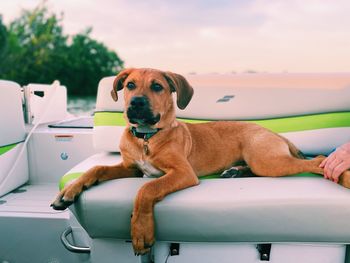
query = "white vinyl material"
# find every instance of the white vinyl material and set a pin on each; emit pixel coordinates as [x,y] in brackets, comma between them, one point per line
[221,220]
[259,96]
[12,131]
[221,210]
[104,101]
[107,138]
[51,107]
[103,158]
[252,96]
[19,175]
[11,113]
[256,210]
[321,141]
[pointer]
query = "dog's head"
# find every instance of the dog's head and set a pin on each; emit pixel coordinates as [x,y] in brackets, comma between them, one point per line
[147,95]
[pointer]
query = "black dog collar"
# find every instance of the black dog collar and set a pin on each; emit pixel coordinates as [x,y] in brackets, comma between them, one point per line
[143,135]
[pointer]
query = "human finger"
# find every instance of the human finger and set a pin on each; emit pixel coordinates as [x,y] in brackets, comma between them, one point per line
[338,170]
[330,165]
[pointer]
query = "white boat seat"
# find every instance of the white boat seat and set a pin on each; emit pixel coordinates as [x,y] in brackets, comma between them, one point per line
[300,209]
[312,110]
[12,135]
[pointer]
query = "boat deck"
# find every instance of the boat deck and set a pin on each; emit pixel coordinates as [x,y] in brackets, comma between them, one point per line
[32,199]
[30,229]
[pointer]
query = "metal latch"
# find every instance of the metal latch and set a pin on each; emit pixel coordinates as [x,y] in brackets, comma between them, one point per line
[174,249]
[264,251]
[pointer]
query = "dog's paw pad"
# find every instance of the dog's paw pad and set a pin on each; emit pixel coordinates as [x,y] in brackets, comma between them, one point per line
[230,173]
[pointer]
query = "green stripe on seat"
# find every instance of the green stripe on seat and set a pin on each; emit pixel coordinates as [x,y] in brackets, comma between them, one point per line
[7,148]
[280,125]
[307,122]
[109,119]
[72,176]
[216,176]
[210,176]
[68,178]
[307,175]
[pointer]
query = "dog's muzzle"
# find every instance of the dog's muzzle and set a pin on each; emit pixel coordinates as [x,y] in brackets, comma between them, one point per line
[140,112]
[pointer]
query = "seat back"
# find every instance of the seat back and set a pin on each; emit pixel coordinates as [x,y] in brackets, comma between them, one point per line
[12,135]
[312,110]
[107,129]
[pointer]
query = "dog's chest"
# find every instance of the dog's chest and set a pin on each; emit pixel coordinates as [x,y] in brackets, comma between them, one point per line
[148,169]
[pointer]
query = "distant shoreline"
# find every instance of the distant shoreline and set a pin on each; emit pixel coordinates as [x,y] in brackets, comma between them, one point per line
[81,106]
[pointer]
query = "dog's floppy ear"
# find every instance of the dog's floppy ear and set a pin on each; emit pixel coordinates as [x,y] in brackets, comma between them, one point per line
[118,82]
[183,89]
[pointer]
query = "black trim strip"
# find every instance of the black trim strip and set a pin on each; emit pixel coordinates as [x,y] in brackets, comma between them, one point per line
[11,144]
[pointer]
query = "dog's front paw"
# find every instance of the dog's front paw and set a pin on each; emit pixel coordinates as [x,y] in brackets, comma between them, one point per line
[142,233]
[67,196]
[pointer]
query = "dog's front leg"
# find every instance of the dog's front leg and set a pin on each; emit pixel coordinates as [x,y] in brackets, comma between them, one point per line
[142,222]
[94,175]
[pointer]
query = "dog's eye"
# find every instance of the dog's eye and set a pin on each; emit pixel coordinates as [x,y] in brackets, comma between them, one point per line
[156,87]
[131,85]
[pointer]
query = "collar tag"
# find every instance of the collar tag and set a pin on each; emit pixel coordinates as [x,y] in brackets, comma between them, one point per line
[145,146]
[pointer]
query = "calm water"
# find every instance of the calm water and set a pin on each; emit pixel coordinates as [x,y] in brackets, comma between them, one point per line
[81,106]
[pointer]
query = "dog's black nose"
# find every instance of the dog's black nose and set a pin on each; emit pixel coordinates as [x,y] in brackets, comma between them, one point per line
[139,102]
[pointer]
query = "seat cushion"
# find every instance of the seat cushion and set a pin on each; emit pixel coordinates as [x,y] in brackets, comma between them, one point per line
[289,209]
[12,135]
[12,129]
[223,210]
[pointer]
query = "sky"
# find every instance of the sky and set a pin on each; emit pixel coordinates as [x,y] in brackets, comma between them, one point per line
[212,35]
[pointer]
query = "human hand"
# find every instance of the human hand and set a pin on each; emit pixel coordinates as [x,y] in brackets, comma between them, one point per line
[336,163]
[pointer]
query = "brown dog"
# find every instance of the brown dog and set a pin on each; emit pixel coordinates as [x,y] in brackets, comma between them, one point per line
[155,143]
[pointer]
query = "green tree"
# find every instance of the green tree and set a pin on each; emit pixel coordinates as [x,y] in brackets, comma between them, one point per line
[89,61]
[36,44]
[36,51]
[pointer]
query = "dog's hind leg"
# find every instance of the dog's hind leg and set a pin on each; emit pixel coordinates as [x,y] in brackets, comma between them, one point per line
[269,154]
[344,179]
[285,165]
